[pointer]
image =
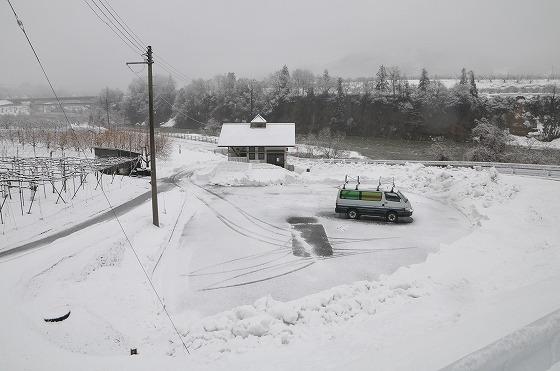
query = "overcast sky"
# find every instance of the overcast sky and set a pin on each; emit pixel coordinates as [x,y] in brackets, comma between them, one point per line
[255,37]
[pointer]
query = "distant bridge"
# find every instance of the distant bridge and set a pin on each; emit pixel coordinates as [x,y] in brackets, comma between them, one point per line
[82,100]
[79,104]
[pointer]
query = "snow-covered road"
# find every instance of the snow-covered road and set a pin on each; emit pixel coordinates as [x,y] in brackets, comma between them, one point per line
[479,260]
[240,244]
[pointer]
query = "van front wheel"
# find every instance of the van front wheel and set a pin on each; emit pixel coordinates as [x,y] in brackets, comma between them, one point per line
[392,217]
[352,214]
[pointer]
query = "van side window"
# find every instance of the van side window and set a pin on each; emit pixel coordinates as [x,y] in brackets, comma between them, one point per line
[350,195]
[371,196]
[389,196]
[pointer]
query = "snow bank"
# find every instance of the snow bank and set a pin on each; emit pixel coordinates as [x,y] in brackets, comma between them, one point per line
[534,143]
[244,174]
[268,320]
[461,267]
[469,190]
[169,124]
[534,347]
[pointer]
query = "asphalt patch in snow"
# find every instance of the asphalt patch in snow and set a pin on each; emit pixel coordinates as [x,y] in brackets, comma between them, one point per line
[301,219]
[312,234]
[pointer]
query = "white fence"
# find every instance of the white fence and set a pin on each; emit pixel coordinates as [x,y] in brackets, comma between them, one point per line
[197,137]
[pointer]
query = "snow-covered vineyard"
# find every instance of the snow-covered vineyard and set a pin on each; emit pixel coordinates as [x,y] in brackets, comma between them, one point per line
[469,282]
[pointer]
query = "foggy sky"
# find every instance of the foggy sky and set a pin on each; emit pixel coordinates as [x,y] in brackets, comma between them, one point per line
[256,37]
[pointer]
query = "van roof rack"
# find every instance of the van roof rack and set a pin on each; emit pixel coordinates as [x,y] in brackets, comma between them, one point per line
[388,181]
[347,179]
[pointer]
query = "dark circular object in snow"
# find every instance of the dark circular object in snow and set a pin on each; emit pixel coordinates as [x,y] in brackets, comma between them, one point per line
[59,318]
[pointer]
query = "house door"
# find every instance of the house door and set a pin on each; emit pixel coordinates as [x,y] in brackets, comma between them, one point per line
[275,158]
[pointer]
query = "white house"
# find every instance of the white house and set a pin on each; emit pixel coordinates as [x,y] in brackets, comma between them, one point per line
[258,141]
[9,108]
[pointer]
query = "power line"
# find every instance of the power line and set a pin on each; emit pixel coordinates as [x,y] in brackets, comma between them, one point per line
[166,101]
[20,24]
[132,47]
[115,28]
[123,22]
[146,273]
[138,43]
[137,39]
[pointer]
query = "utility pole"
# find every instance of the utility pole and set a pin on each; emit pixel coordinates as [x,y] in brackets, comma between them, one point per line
[149,61]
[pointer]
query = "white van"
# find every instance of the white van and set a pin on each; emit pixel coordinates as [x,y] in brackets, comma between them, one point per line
[373,202]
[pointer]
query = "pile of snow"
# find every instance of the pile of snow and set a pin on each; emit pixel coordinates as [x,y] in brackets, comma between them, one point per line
[471,191]
[244,174]
[534,142]
[445,184]
[169,124]
[87,126]
[308,150]
[276,322]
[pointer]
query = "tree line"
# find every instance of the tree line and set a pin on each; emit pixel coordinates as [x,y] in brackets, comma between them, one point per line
[386,105]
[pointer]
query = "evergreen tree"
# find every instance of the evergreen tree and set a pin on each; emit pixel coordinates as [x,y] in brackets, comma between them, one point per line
[473,90]
[338,118]
[463,80]
[325,83]
[381,83]
[424,81]
[406,91]
[281,86]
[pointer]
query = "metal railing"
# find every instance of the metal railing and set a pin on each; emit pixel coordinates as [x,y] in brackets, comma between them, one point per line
[552,171]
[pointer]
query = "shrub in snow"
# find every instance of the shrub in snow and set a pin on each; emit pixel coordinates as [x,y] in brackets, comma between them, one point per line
[491,142]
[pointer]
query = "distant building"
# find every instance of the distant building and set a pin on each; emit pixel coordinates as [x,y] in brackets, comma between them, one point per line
[258,141]
[9,108]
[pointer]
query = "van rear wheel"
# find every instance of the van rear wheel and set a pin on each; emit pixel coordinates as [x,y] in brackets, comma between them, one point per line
[392,217]
[352,214]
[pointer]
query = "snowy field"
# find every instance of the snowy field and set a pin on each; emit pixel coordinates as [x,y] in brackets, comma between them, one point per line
[248,290]
[508,86]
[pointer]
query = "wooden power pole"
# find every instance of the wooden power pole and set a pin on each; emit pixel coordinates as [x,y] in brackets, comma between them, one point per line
[150,61]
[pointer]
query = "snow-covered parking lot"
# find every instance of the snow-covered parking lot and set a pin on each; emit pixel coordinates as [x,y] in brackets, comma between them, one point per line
[478,260]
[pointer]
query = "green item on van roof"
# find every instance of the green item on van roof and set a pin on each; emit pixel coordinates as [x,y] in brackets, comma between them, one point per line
[350,195]
[371,196]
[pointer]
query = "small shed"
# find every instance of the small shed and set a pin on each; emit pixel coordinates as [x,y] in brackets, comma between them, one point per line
[258,141]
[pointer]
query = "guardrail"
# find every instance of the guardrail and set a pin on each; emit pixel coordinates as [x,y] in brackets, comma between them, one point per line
[503,167]
[197,137]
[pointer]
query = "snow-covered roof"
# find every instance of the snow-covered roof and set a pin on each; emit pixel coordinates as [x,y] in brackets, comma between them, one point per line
[4,102]
[271,135]
[258,119]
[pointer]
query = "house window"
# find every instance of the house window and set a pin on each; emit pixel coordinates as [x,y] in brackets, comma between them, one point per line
[261,155]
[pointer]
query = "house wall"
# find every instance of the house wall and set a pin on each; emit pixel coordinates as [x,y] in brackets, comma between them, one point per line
[254,154]
[14,109]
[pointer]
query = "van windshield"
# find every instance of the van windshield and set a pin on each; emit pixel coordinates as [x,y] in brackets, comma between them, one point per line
[402,196]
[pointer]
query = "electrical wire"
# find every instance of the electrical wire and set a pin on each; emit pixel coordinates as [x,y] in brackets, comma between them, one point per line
[133,42]
[20,24]
[132,37]
[166,101]
[137,42]
[132,46]
[117,17]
